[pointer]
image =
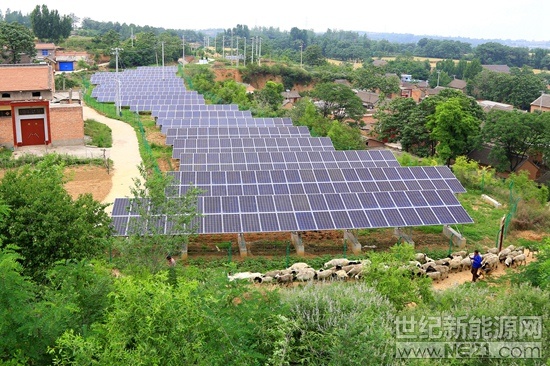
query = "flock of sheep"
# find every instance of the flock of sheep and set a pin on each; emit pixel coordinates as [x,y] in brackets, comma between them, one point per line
[459,261]
[422,265]
[335,269]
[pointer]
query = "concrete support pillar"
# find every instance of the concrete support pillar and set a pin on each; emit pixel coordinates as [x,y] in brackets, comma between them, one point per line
[296,238]
[455,236]
[400,233]
[351,238]
[242,245]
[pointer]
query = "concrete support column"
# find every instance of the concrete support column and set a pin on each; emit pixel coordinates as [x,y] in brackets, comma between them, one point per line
[351,238]
[296,238]
[400,233]
[454,235]
[242,245]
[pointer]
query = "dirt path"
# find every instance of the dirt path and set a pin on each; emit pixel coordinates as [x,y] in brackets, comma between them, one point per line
[124,154]
[458,278]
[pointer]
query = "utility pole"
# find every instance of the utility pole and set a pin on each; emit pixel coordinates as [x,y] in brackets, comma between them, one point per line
[252,53]
[223,46]
[259,51]
[231,53]
[183,53]
[301,48]
[162,43]
[117,50]
[244,61]
[238,52]
[438,72]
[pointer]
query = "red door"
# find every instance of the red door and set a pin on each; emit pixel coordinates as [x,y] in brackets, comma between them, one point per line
[32,132]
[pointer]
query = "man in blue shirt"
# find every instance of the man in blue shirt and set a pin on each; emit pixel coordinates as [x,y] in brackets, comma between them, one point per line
[476,265]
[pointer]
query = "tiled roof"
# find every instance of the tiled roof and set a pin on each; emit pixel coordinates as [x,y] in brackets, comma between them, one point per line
[44,46]
[488,105]
[497,68]
[368,97]
[25,78]
[457,84]
[291,94]
[543,100]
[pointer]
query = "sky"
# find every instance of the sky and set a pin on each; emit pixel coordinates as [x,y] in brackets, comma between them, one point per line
[483,19]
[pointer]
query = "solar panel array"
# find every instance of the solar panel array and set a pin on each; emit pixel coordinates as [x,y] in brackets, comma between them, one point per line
[184,133]
[265,175]
[250,144]
[165,124]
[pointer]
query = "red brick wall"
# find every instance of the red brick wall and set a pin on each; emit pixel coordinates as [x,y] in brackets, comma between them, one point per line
[6,132]
[67,124]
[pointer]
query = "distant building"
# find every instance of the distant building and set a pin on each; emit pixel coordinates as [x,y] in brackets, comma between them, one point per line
[497,68]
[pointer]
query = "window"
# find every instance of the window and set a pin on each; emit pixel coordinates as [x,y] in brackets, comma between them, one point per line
[36,94]
[6,95]
[45,53]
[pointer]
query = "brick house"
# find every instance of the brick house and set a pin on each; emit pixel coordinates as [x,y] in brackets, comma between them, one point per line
[44,50]
[522,163]
[541,104]
[27,114]
[458,84]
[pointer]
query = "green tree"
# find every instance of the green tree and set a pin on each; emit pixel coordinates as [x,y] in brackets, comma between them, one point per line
[454,128]
[305,113]
[270,96]
[230,92]
[393,117]
[15,39]
[158,204]
[17,295]
[514,135]
[313,56]
[45,223]
[148,323]
[338,101]
[373,78]
[345,137]
[49,25]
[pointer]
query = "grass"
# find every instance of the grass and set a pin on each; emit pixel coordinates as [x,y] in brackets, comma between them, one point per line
[101,135]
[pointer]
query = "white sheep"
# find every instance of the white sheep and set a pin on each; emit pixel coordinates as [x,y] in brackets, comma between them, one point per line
[298,266]
[465,263]
[340,275]
[435,276]
[420,257]
[455,264]
[243,276]
[324,274]
[337,262]
[285,278]
[306,274]
[519,259]
[263,279]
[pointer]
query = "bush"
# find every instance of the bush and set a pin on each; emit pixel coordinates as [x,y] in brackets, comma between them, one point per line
[340,324]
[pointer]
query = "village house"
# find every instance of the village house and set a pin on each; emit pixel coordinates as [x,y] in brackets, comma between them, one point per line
[541,104]
[523,163]
[27,114]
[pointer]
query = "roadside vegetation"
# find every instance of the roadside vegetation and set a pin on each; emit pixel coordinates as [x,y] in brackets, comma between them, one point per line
[99,134]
